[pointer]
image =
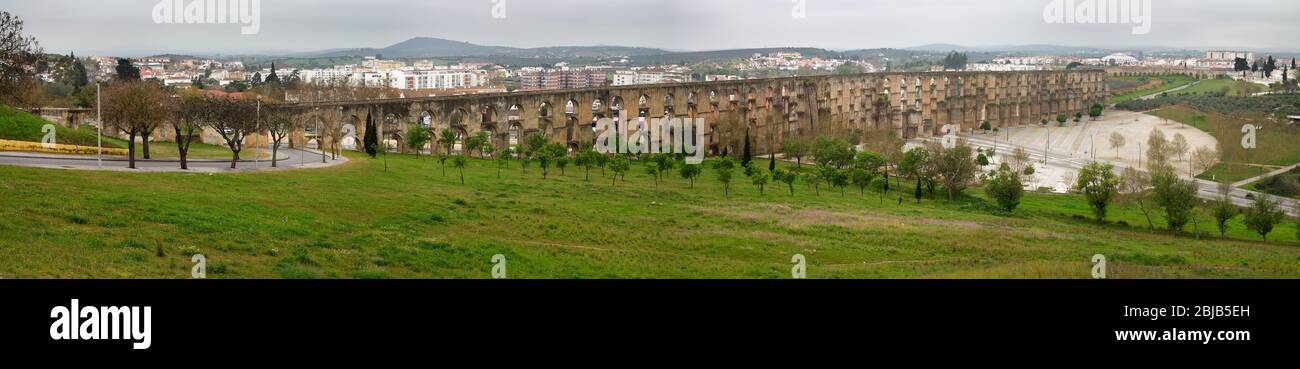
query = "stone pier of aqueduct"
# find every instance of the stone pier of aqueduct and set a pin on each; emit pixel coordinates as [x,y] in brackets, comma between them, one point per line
[907,105]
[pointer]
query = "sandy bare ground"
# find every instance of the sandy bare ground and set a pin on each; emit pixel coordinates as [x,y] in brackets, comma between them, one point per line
[1086,141]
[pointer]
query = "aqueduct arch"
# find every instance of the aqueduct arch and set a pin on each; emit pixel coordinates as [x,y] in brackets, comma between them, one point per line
[907,105]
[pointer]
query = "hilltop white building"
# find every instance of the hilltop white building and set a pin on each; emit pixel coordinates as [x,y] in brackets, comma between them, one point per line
[1119,59]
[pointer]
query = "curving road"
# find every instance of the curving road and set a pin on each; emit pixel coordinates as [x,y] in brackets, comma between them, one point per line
[288,159]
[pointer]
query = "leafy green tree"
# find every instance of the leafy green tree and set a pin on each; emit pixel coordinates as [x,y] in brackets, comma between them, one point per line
[1099,185]
[985,126]
[787,177]
[760,178]
[837,178]
[1006,187]
[442,162]
[447,139]
[916,164]
[1224,210]
[690,172]
[126,71]
[602,160]
[474,144]
[1061,119]
[1095,111]
[982,160]
[796,148]
[586,158]
[832,152]
[724,168]
[1263,215]
[524,163]
[458,162]
[663,163]
[619,165]
[1176,195]
[534,143]
[861,178]
[956,169]
[416,138]
[503,161]
[548,154]
[815,178]
[562,162]
[652,171]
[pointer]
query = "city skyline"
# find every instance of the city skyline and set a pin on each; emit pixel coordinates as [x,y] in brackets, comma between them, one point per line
[297,26]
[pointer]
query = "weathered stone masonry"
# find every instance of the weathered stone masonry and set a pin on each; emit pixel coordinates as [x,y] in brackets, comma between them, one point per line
[907,105]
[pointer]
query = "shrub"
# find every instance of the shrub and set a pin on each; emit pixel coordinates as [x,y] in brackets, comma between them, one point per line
[1005,187]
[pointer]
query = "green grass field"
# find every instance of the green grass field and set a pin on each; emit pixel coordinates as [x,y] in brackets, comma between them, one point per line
[1168,83]
[1226,86]
[358,221]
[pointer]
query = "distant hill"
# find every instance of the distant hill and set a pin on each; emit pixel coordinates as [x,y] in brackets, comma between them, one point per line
[1035,48]
[699,56]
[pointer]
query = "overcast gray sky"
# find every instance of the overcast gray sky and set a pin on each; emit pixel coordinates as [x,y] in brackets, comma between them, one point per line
[126,27]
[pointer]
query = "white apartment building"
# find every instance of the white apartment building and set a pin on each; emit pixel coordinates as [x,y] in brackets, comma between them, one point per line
[1227,55]
[438,79]
[644,77]
[985,67]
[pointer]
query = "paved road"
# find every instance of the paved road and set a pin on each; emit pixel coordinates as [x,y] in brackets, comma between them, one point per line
[1244,182]
[1179,88]
[1205,189]
[288,159]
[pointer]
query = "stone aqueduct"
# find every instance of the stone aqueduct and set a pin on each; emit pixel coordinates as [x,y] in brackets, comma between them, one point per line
[909,105]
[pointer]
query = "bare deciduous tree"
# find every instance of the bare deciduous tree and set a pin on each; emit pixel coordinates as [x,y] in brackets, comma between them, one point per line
[192,112]
[134,107]
[18,57]
[279,122]
[1117,141]
[234,119]
[1180,146]
[1158,150]
[1204,159]
[1134,186]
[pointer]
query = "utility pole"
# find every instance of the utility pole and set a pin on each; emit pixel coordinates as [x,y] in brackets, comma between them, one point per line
[99,137]
[1047,145]
[1139,155]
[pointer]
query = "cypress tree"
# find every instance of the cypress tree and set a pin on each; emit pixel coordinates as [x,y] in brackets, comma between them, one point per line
[371,139]
[771,166]
[745,157]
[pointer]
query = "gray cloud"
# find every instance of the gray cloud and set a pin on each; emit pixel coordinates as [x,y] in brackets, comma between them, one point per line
[125,26]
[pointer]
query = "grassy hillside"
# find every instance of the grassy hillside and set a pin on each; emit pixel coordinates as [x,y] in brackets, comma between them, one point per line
[21,126]
[1166,83]
[358,221]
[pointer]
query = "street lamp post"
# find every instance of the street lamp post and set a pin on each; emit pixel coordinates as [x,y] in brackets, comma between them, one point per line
[257,152]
